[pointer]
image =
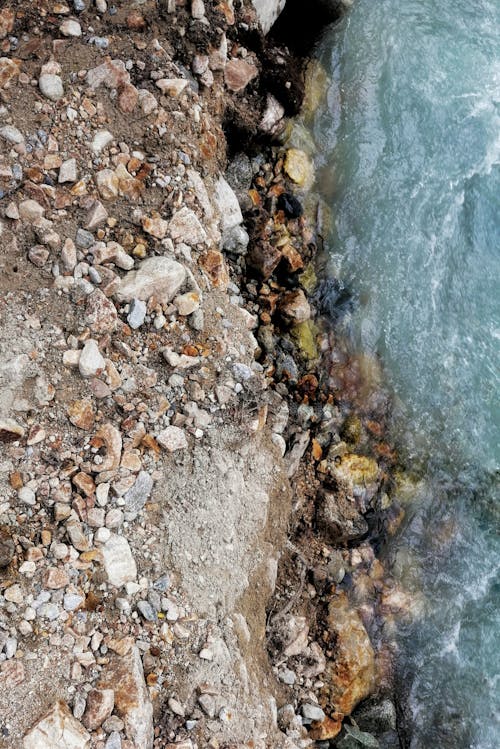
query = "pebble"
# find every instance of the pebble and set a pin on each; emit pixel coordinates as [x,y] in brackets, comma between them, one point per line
[91,360]
[172,439]
[119,563]
[11,134]
[146,611]
[137,496]
[67,171]
[51,86]
[70,28]
[137,313]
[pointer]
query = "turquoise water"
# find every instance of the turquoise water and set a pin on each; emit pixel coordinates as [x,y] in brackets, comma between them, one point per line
[409,160]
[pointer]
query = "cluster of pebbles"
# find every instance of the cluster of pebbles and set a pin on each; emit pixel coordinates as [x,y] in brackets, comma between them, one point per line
[164,383]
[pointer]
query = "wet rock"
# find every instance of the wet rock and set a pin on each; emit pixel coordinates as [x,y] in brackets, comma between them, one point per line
[341,518]
[267,12]
[291,205]
[294,306]
[272,119]
[119,563]
[100,704]
[158,276]
[58,729]
[298,167]
[350,677]
[125,675]
[91,360]
[264,258]
[238,74]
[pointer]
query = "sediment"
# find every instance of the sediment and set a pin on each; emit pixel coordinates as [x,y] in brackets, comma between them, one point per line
[195,471]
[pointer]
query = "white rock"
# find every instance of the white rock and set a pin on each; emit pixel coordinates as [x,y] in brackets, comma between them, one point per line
[67,171]
[101,140]
[51,86]
[172,438]
[267,12]
[119,563]
[158,276]
[27,495]
[70,28]
[227,203]
[91,359]
[11,134]
[184,226]
[30,210]
[57,730]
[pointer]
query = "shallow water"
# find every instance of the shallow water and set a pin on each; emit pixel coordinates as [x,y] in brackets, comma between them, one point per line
[409,160]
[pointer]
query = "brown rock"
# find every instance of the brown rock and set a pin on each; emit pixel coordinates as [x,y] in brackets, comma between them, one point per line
[264,258]
[7,18]
[84,483]
[112,74]
[109,437]
[56,578]
[80,414]
[214,265]
[238,74]
[341,518]
[327,729]
[100,313]
[100,704]
[7,550]
[128,98]
[350,676]
[294,306]
[125,675]
[136,21]
[8,70]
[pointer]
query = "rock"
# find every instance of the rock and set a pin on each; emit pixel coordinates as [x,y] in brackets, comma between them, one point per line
[100,313]
[67,171]
[70,28]
[147,101]
[11,134]
[102,139]
[341,518]
[30,210]
[112,74]
[55,578]
[68,255]
[8,70]
[238,74]
[146,611]
[112,252]
[107,184]
[294,306]
[227,204]
[214,265]
[184,226]
[128,98]
[137,313]
[119,563]
[172,438]
[172,86]
[91,360]
[356,738]
[10,430]
[156,226]
[311,712]
[7,550]
[187,303]
[7,18]
[100,704]
[111,438]
[357,475]
[156,276]
[51,86]
[267,12]
[38,255]
[58,729]
[273,115]
[137,496]
[125,675]
[235,240]
[96,216]
[298,167]
[350,676]
[290,205]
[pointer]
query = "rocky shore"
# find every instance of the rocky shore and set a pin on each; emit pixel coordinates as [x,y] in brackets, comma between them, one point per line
[194,468]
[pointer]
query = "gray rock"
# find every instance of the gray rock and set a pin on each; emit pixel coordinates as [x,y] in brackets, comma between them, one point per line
[146,610]
[235,240]
[311,712]
[51,86]
[137,313]
[67,171]
[228,205]
[11,134]
[113,741]
[137,496]
[57,729]
[84,239]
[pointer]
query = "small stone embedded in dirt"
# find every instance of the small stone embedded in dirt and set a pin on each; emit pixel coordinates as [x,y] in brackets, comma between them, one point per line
[51,86]
[138,495]
[238,74]
[91,360]
[119,563]
[100,704]
[156,276]
[137,313]
[172,438]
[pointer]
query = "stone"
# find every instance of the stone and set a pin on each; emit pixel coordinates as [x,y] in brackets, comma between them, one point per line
[341,518]
[113,741]
[7,550]
[124,674]
[172,438]
[100,313]
[294,306]
[227,204]
[100,704]
[147,102]
[110,437]
[11,134]
[112,252]
[67,171]
[128,98]
[187,303]
[146,611]
[172,86]
[91,360]
[10,430]
[96,216]
[107,184]
[51,86]
[298,167]
[8,70]
[38,255]
[112,74]
[138,495]
[214,265]
[101,140]
[236,240]
[70,28]
[238,74]
[7,18]
[184,226]
[58,729]
[56,578]
[68,255]
[160,277]
[137,313]
[11,674]
[156,226]
[30,210]
[119,564]
[267,12]
[350,676]
[311,712]
[27,496]
[273,115]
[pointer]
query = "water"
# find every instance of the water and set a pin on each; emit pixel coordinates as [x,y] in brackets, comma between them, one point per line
[409,160]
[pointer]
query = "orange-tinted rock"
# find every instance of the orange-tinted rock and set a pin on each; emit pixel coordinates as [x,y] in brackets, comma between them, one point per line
[80,414]
[294,306]
[136,21]
[214,265]
[350,675]
[84,483]
[128,98]
[100,703]
[293,258]
[56,578]
[238,74]
[8,70]
[327,729]
[100,313]
[264,258]
[7,18]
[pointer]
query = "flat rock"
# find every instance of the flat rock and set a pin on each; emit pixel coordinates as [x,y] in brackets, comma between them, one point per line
[158,276]
[125,675]
[119,564]
[58,729]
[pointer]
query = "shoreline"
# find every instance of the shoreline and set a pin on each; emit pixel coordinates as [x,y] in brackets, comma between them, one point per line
[191,466]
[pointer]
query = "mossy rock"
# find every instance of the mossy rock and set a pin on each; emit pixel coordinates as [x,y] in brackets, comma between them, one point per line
[352,429]
[305,335]
[308,278]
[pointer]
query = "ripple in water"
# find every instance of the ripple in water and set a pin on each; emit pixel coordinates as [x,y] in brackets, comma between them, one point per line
[409,158]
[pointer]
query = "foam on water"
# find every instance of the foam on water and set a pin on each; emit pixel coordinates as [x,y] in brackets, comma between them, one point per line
[409,153]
